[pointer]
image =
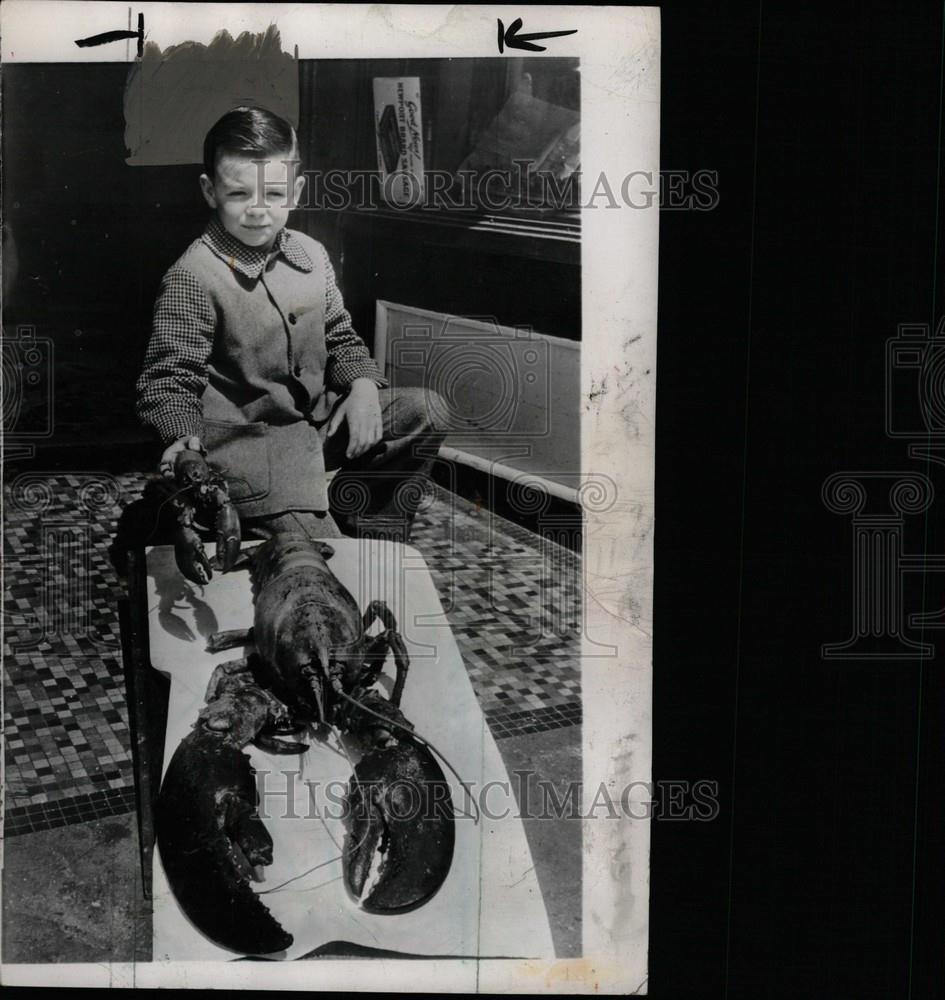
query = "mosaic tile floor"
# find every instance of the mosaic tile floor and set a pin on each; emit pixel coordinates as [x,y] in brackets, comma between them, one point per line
[512,599]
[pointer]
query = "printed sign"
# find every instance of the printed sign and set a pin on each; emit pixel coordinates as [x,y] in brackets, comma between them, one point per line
[398,127]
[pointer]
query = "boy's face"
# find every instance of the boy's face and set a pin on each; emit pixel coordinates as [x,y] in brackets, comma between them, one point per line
[252,198]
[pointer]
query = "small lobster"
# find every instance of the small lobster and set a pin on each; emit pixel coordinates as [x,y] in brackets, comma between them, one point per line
[201,500]
[314,664]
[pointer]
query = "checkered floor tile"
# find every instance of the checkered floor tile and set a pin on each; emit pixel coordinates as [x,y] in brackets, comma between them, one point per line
[512,599]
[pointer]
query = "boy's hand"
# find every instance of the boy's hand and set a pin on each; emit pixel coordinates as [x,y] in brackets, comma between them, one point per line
[171,452]
[362,409]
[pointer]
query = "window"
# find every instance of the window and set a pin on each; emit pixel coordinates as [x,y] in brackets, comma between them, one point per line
[508,131]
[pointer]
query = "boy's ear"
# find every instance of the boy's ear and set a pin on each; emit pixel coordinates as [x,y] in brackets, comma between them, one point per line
[297,189]
[206,187]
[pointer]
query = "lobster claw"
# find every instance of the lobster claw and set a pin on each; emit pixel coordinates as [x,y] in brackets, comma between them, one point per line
[191,557]
[209,843]
[400,839]
[228,535]
[209,832]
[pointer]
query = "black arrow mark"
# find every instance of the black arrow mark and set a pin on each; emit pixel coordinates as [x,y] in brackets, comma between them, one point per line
[511,38]
[115,36]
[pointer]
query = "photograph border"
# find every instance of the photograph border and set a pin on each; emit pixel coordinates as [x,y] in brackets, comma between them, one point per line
[619,49]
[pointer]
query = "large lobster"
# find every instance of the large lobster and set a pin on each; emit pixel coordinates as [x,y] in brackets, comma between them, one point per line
[314,664]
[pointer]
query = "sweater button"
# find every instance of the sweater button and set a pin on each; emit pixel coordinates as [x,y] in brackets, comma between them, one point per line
[292,318]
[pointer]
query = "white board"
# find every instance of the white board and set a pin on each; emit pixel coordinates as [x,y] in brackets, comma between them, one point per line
[492,871]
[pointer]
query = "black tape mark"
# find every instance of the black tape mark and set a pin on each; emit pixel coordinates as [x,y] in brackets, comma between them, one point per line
[115,36]
[509,38]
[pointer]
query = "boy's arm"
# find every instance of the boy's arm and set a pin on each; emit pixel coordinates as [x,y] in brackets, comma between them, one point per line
[348,356]
[174,375]
[350,367]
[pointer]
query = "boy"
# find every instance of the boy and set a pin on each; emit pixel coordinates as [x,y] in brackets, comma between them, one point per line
[253,359]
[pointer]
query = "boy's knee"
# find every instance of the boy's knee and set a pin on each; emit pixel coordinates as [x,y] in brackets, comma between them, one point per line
[435,408]
[423,410]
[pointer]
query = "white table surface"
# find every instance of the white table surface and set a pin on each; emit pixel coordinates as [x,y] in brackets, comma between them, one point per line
[490,904]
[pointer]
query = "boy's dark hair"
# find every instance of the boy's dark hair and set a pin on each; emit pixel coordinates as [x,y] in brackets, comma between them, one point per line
[248,131]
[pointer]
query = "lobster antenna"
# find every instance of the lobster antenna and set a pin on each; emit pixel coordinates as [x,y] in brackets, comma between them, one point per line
[157,513]
[422,739]
[295,878]
[175,494]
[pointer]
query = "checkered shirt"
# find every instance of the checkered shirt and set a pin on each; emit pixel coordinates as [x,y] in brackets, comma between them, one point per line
[175,366]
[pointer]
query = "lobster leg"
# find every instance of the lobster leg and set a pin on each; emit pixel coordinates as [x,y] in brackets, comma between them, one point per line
[375,654]
[220,641]
[274,744]
[227,675]
[379,611]
[401,662]
[378,647]
[231,678]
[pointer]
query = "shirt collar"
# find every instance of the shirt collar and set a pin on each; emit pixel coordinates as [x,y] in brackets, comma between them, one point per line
[251,261]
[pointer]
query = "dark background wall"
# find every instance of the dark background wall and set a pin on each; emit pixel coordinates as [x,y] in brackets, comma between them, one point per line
[93,237]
